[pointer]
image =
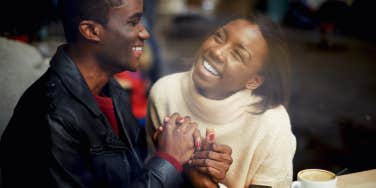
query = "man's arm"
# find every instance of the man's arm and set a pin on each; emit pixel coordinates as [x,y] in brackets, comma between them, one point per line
[175,147]
[71,169]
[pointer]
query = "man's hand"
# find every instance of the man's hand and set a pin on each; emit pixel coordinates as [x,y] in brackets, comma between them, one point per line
[177,137]
[196,134]
[214,159]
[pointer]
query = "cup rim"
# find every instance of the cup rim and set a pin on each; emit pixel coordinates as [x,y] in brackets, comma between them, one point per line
[316,169]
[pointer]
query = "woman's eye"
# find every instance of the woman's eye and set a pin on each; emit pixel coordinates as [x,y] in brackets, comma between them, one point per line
[218,37]
[238,55]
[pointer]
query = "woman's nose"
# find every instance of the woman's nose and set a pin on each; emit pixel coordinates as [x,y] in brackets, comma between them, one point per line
[219,53]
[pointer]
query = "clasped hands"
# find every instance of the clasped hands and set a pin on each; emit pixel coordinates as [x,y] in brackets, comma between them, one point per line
[205,161]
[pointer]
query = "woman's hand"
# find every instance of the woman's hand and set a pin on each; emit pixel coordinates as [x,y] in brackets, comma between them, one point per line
[199,180]
[214,159]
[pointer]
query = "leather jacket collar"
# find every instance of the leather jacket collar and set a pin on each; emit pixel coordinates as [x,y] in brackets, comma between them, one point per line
[71,77]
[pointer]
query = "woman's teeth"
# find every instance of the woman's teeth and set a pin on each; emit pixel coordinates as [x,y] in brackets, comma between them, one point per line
[210,69]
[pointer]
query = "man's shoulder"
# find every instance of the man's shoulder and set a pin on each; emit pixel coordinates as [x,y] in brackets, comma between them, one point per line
[47,94]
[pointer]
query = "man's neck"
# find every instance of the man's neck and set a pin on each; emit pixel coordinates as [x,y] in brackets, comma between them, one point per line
[84,58]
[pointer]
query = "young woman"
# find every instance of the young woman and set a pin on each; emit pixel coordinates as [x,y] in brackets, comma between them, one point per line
[238,86]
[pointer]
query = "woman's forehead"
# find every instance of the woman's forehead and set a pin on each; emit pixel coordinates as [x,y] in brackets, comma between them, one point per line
[245,32]
[243,27]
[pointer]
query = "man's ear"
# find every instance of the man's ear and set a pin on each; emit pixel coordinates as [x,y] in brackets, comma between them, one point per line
[255,82]
[90,30]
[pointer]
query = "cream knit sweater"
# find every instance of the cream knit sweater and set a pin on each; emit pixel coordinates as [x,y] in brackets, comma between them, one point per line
[263,145]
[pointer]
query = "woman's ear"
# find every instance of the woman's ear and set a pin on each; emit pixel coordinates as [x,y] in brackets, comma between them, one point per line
[90,30]
[254,82]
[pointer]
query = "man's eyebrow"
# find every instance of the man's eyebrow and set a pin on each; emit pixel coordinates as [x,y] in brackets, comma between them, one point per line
[120,6]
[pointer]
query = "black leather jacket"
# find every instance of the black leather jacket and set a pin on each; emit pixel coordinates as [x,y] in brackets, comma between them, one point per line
[58,137]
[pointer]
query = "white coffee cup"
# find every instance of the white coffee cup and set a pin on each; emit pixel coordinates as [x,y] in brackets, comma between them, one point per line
[315,178]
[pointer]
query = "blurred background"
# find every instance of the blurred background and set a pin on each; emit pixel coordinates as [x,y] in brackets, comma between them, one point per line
[333,58]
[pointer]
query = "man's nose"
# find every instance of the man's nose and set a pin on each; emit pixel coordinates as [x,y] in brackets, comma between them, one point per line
[143,33]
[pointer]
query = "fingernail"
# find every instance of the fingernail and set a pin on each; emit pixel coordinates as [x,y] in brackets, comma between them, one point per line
[210,134]
[166,119]
[180,120]
[198,144]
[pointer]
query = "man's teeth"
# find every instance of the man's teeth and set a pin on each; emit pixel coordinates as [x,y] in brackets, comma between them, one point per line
[137,48]
[209,68]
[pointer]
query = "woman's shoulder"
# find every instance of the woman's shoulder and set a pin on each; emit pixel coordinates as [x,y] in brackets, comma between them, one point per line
[276,112]
[276,126]
[276,117]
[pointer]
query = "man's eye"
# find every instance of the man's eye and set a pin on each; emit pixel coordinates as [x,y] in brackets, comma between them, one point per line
[133,22]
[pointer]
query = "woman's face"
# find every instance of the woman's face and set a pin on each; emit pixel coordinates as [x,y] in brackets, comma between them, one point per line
[229,60]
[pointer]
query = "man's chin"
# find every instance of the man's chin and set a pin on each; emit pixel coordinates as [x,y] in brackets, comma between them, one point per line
[132,66]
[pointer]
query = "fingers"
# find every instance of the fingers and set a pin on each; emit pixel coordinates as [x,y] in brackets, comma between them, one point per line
[184,123]
[220,157]
[180,120]
[173,118]
[197,139]
[169,122]
[221,148]
[216,174]
[210,135]
[209,138]
[166,119]
[156,133]
[208,163]
[215,169]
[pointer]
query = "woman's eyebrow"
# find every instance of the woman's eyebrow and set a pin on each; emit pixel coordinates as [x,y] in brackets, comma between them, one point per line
[224,31]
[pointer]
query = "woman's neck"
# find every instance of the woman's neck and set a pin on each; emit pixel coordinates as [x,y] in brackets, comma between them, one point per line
[215,111]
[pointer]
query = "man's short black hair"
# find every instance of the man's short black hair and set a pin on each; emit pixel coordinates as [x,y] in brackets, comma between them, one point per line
[72,12]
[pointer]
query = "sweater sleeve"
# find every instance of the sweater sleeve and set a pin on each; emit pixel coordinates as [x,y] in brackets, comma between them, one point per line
[152,123]
[276,169]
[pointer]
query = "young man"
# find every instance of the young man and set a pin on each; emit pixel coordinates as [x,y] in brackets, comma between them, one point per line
[73,127]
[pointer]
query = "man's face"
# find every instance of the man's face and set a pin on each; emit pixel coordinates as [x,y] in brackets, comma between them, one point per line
[123,41]
[230,58]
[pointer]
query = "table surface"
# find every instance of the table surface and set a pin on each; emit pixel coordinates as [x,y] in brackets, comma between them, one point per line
[364,179]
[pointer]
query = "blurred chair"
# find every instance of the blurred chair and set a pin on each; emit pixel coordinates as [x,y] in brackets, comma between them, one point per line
[20,65]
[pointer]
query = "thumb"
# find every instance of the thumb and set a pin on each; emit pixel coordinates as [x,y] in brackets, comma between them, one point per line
[210,138]
[210,135]
[156,134]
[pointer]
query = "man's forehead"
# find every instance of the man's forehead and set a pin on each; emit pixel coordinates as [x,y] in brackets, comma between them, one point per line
[129,3]
[123,3]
